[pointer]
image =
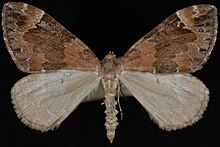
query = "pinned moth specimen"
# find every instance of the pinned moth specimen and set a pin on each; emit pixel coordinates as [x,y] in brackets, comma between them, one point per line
[64,71]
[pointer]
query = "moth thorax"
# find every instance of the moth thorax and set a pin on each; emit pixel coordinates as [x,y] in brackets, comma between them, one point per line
[109,66]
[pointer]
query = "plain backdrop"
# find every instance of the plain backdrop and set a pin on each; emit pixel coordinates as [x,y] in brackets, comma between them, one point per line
[110,25]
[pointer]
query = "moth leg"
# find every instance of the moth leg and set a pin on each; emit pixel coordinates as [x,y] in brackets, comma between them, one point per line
[118,97]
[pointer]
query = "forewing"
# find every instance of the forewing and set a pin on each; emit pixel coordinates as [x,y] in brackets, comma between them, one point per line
[38,43]
[43,101]
[181,43]
[173,101]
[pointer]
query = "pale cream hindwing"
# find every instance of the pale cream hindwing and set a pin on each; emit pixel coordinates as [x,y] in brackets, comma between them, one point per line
[172,100]
[43,101]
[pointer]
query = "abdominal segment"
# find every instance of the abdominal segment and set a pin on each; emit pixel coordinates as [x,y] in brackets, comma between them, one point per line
[111,88]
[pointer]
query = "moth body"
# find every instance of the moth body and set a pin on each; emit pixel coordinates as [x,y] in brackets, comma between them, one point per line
[111,86]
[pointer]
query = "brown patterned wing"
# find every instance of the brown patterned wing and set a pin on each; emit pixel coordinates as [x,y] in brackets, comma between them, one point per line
[38,43]
[181,43]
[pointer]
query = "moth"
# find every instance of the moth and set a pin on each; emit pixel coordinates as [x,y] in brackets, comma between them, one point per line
[64,71]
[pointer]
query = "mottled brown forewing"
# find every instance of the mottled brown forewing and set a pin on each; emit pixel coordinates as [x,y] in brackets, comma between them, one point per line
[38,43]
[181,43]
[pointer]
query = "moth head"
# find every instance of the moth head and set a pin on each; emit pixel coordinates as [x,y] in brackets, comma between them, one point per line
[110,57]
